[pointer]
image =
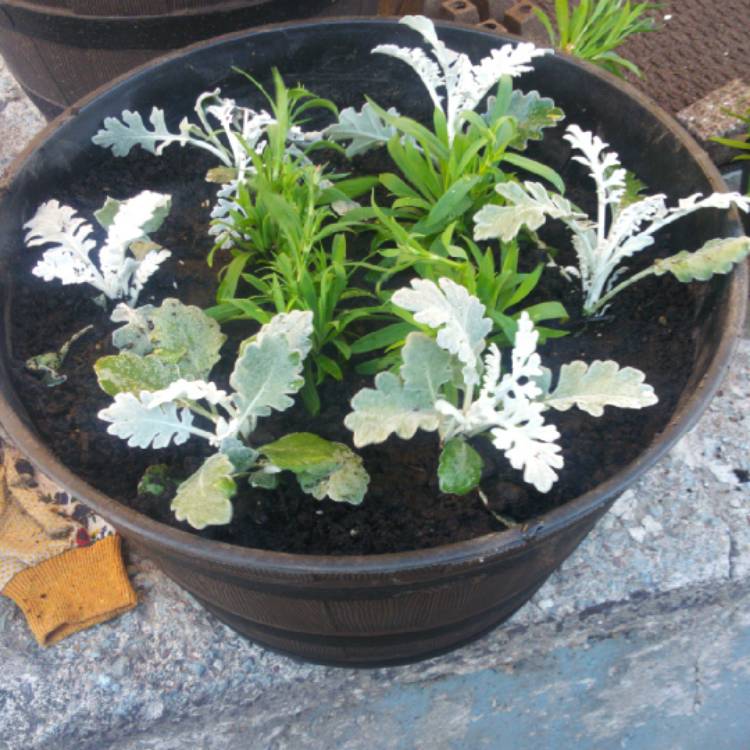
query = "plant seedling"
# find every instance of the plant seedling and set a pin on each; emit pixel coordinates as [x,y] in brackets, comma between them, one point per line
[624,225]
[162,397]
[47,366]
[455,384]
[128,257]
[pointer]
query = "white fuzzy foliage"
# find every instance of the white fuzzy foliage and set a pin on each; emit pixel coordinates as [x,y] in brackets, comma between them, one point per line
[145,421]
[457,316]
[188,390]
[265,376]
[364,129]
[620,230]
[235,124]
[451,75]
[526,205]
[295,326]
[267,372]
[593,386]
[120,274]
[204,499]
[506,402]
[225,129]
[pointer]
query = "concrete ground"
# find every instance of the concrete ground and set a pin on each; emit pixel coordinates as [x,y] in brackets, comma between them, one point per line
[641,640]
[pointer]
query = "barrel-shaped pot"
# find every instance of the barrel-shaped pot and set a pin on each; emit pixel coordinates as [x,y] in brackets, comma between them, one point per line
[380,609]
[60,50]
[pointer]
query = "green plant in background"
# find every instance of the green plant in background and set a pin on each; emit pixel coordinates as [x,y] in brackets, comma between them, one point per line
[742,144]
[594,29]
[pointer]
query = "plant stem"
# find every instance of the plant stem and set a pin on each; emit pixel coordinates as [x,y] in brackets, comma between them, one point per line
[591,309]
[509,522]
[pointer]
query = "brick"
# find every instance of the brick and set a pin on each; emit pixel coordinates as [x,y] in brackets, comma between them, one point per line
[520,19]
[462,11]
[490,24]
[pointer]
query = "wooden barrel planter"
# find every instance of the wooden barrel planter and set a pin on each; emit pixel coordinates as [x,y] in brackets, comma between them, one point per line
[60,50]
[370,609]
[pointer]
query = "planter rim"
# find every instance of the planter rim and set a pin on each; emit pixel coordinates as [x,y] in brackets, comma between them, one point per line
[177,542]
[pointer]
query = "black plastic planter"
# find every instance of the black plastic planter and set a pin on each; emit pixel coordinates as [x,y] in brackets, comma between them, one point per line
[382,609]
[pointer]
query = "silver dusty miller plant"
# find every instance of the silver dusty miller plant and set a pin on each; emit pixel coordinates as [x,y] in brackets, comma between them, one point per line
[455,85]
[622,227]
[162,396]
[458,386]
[126,259]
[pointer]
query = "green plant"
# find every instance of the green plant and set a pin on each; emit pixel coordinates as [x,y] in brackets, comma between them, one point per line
[742,143]
[594,29]
[285,233]
[491,276]
[441,178]
[445,170]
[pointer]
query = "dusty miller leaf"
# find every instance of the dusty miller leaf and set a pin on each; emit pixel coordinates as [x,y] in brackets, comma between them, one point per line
[182,335]
[264,377]
[533,113]
[460,467]
[137,217]
[527,205]
[604,166]
[593,386]
[133,418]
[529,445]
[716,256]
[464,83]
[364,129]
[264,480]
[457,316]
[242,456]
[187,333]
[134,336]
[344,482]
[204,499]
[122,136]
[390,407]
[70,236]
[295,326]
[426,367]
[323,468]
[300,451]
[119,273]
[127,372]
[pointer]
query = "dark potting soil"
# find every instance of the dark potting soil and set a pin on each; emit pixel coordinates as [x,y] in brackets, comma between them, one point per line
[649,328]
